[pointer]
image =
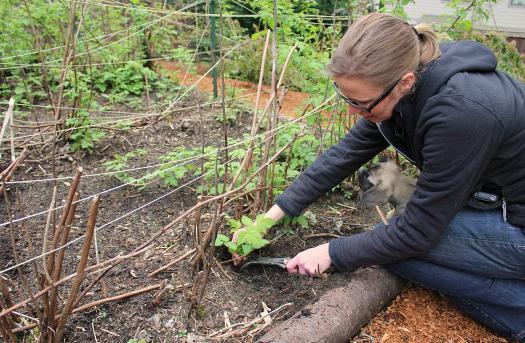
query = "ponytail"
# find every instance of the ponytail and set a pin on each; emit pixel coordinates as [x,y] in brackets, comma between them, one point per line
[428,44]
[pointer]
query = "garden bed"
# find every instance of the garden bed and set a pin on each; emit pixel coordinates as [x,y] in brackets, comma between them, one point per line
[230,295]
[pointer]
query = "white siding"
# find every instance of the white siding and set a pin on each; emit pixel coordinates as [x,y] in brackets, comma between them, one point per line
[505,17]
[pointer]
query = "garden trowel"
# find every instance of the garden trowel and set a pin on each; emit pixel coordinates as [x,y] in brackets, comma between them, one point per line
[268,261]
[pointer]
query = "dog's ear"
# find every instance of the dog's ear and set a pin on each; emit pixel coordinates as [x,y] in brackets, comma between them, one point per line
[376,195]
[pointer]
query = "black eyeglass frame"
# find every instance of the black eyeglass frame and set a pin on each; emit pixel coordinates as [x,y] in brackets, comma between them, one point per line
[374,103]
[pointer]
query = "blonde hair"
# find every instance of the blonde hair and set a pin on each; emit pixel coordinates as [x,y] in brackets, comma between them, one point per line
[382,48]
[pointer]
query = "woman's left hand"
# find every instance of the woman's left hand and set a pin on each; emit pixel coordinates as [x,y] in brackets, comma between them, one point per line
[310,262]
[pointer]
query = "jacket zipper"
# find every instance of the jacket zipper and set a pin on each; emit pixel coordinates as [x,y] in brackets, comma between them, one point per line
[396,148]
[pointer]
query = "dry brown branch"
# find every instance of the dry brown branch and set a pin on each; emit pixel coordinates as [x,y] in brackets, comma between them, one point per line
[116,261]
[63,218]
[4,294]
[54,265]
[206,240]
[160,295]
[140,249]
[101,267]
[272,119]
[197,227]
[381,214]
[50,213]
[98,303]
[57,268]
[9,171]
[5,326]
[180,258]
[80,269]
[219,265]
[116,297]
[212,234]
[245,327]
[7,119]
[246,162]
[33,127]
[25,144]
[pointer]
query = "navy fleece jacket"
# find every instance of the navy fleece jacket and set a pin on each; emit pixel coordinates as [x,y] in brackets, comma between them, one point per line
[464,128]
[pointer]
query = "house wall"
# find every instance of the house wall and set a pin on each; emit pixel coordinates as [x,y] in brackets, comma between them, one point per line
[507,17]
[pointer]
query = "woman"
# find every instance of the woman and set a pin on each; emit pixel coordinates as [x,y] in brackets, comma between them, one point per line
[462,123]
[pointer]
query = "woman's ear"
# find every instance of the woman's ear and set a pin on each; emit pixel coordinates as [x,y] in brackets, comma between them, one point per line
[407,82]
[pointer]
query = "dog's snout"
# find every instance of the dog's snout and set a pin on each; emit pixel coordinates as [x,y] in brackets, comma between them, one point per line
[362,172]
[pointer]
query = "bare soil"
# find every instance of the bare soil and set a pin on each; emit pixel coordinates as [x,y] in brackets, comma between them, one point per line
[416,316]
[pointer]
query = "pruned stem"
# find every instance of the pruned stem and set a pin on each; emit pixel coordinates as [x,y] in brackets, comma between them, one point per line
[80,269]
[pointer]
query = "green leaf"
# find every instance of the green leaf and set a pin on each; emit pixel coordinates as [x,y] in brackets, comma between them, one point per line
[302,221]
[221,240]
[246,250]
[260,243]
[234,224]
[264,221]
[246,220]
[232,247]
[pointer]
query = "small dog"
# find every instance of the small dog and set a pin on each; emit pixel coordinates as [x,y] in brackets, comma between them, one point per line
[383,182]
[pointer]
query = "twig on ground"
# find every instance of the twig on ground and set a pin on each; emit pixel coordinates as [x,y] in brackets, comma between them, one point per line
[222,269]
[116,297]
[109,332]
[346,206]
[98,303]
[94,333]
[382,215]
[220,335]
[188,253]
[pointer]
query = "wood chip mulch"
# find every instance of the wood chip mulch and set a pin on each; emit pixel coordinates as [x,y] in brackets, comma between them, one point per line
[419,315]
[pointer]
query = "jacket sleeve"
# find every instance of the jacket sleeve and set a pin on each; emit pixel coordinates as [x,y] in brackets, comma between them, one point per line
[460,138]
[360,144]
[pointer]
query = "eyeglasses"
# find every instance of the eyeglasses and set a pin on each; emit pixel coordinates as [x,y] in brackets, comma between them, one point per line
[357,105]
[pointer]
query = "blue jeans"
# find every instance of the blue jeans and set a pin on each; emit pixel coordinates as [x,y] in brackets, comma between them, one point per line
[479,264]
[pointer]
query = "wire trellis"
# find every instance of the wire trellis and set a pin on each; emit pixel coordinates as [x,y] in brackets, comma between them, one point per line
[268,137]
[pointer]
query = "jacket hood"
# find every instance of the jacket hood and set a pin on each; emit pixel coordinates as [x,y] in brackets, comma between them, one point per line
[456,57]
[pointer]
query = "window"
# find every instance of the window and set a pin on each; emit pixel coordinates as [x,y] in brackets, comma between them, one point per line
[517,2]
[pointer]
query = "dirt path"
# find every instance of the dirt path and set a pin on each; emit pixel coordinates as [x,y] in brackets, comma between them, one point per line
[293,103]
